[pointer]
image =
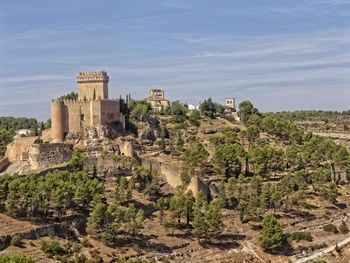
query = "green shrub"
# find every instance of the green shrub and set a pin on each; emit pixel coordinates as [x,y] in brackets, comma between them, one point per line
[300,236]
[343,228]
[15,258]
[52,248]
[16,241]
[330,228]
[86,243]
[95,256]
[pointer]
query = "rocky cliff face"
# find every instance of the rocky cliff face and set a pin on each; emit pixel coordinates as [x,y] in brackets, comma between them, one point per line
[95,139]
[151,130]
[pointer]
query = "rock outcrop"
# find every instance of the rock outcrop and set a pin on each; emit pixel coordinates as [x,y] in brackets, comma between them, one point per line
[151,130]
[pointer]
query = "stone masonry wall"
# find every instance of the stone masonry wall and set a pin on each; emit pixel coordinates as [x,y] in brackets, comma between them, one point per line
[172,176]
[44,155]
[16,148]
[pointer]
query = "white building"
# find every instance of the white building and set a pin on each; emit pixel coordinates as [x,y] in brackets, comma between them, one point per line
[24,133]
[192,107]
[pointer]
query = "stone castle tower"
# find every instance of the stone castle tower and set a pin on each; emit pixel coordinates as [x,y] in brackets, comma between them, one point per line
[157,99]
[92,85]
[91,108]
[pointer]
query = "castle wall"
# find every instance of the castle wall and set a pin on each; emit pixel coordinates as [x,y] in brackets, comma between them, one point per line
[19,146]
[72,115]
[110,111]
[44,155]
[95,112]
[85,109]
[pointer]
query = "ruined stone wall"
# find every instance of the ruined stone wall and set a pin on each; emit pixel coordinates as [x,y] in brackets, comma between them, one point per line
[126,147]
[42,156]
[47,135]
[173,178]
[19,146]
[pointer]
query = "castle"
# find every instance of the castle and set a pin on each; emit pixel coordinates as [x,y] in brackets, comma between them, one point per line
[91,108]
[157,99]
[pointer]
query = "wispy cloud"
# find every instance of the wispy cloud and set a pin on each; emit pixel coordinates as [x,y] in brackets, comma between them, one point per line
[294,54]
[5,80]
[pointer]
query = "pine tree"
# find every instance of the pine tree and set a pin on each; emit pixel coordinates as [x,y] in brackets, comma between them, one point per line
[161,205]
[271,235]
[96,219]
[124,190]
[189,201]
[139,219]
[133,219]
[171,224]
[199,224]
[213,218]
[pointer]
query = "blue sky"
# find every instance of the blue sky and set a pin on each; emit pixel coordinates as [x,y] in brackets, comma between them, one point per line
[281,55]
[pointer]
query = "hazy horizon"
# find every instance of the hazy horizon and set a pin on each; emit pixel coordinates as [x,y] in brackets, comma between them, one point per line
[290,56]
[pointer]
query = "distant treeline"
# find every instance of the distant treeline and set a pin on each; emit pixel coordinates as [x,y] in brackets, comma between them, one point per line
[310,114]
[12,123]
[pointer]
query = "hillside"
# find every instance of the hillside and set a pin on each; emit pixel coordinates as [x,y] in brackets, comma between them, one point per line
[200,188]
[330,124]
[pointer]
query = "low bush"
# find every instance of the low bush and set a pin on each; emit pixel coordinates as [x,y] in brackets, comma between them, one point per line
[300,236]
[86,243]
[343,228]
[330,228]
[15,258]
[52,248]
[16,241]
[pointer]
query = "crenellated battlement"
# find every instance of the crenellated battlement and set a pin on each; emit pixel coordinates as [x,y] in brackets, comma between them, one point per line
[92,77]
[71,101]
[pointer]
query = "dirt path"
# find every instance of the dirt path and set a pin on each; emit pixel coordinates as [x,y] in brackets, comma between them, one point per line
[324,251]
[252,248]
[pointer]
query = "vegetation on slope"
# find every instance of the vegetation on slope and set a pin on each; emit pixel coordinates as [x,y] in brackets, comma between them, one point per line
[262,168]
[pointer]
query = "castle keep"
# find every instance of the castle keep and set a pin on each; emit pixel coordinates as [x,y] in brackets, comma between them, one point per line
[91,108]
